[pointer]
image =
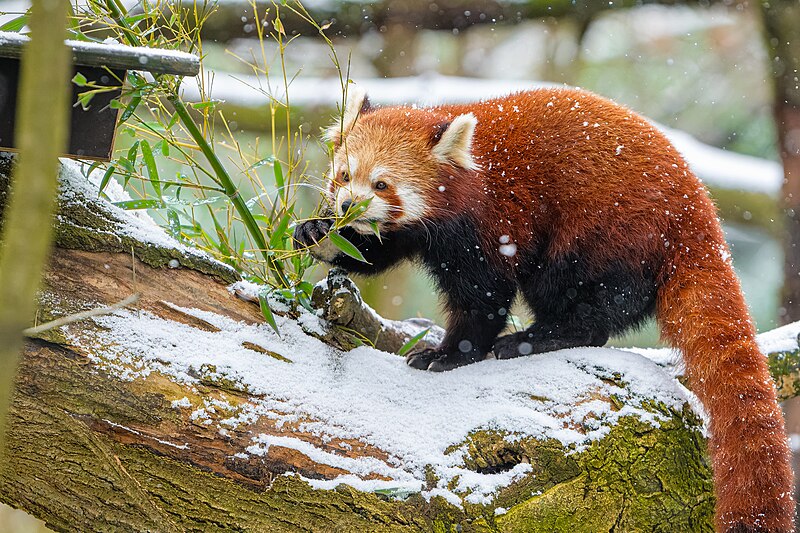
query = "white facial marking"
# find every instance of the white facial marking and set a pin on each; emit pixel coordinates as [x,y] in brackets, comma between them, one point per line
[352,163]
[413,204]
[354,193]
[376,173]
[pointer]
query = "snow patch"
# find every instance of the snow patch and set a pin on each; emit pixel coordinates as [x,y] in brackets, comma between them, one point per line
[77,188]
[374,397]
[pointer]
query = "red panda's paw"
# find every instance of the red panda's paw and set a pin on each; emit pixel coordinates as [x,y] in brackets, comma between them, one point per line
[541,338]
[421,360]
[512,345]
[436,360]
[310,232]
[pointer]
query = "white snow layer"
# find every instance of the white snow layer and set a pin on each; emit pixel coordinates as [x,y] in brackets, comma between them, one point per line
[76,187]
[374,397]
[717,167]
[143,53]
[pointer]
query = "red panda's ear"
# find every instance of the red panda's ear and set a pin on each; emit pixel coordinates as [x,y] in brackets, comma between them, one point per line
[453,141]
[356,104]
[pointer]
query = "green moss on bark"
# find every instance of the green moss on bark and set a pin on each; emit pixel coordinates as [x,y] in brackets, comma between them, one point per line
[785,370]
[91,226]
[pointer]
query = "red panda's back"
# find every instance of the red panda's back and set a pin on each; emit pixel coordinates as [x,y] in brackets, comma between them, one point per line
[581,173]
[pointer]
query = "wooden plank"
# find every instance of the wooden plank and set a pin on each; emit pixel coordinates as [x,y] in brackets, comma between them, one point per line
[115,56]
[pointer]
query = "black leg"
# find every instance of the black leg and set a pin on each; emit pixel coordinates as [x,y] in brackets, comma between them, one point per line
[575,308]
[469,337]
[478,296]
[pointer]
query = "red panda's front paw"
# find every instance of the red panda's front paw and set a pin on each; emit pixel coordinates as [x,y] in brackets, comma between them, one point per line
[421,360]
[436,360]
[310,232]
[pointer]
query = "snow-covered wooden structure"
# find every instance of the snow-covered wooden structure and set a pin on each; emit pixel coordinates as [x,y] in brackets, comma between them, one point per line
[187,412]
[99,70]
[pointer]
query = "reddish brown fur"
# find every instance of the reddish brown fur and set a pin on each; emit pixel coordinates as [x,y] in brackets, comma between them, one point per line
[639,203]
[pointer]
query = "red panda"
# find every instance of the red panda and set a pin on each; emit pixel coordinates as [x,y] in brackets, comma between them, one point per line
[586,210]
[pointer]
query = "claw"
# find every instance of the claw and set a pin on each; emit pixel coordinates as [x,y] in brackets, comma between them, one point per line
[422,360]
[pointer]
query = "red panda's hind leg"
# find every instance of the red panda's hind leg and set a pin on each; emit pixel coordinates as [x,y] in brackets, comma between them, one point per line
[575,307]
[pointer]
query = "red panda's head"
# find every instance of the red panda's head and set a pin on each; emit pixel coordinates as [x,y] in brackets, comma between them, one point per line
[400,157]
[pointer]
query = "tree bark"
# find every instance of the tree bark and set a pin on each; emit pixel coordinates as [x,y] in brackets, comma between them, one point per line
[782,29]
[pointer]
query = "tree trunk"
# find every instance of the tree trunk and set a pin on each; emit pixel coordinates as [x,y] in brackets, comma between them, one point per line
[782,28]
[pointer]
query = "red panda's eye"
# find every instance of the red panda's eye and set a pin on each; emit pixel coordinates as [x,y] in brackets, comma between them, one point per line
[345,176]
[381,185]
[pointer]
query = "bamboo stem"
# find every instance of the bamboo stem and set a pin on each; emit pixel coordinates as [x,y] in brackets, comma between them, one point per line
[231,190]
[28,229]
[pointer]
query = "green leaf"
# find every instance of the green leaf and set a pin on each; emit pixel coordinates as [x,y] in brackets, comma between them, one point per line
[132,105]
[223,246]
[79,79]
[85,99]
[355,211]
[16,24]
[200,106]
[376,230]
[152,169]
[267,312]
[173,121]
[279,181]
[132,153]
[174,224]
[149,203]
[261,162]
[280,230]
[137,81]
[346,246]
[107,176]
[407,347]
[305,302]
[306,287]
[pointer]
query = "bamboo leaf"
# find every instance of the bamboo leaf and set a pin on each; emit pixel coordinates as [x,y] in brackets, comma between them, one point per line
[133,151]
[174,224]
[376,230]
[107,177]
[79,79]
[16,24]
[346,246]
[149,203]
[279,181]
[355,211]
[408,346]
[267,312]
[152,169]
[132,105]
[261,162]
[280,230]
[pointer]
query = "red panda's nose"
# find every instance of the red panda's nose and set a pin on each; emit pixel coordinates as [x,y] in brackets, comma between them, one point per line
[346,205]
